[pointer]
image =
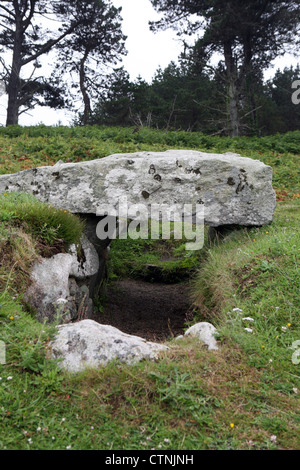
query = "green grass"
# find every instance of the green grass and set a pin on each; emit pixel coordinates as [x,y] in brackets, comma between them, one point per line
[30,147]
[29,229]
[42,221]
[257,271]
[165,260]
[244,396]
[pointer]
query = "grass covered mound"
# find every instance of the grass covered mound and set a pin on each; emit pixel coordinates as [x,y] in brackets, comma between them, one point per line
[249,284]
[43,221]
[28,147]
[244,396]
[29,229]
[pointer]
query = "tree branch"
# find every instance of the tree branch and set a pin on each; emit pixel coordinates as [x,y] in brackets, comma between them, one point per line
[4,65]
[8,11]
[50,44]
[27,22]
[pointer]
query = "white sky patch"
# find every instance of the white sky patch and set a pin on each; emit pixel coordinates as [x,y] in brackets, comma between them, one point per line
[147,51]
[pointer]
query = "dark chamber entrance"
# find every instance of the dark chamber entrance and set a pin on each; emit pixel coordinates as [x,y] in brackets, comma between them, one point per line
[153,311]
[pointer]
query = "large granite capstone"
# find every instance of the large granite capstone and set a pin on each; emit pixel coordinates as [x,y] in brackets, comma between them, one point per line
[234,190]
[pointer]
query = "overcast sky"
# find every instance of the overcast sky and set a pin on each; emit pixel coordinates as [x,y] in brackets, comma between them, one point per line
[146,52]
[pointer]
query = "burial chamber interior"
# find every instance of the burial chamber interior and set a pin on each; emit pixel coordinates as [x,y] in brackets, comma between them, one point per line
[150,305]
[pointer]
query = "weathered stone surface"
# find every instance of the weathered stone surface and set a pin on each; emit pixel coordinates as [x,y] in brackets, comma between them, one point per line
[88,344]
[61,284]
[49,290]
[205,332]
[233,189]
[86,266]
[100,247]
[80,305]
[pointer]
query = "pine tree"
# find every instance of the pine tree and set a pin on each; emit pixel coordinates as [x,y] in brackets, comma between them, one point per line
[248,34]
[25,38]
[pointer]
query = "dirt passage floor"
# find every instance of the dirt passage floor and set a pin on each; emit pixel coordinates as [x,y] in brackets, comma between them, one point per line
[153,311]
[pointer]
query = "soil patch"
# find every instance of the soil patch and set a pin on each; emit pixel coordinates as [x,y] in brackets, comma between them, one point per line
[153,311]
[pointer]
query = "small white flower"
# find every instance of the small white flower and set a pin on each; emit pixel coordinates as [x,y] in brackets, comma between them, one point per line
[9,377]
[295,390]
[273,438]
[166,440]
[39,428]
[30,440]
[249,330]
[271,360]
[237,310]
[248,319]
[68,447]
[53,438]
[92,427]
[284,328]
[63,420]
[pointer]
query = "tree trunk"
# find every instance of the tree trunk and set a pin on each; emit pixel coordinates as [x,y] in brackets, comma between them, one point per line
[86,99]
[233,92]
[233,109]
[21,15]
[13,88]
[249,78]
